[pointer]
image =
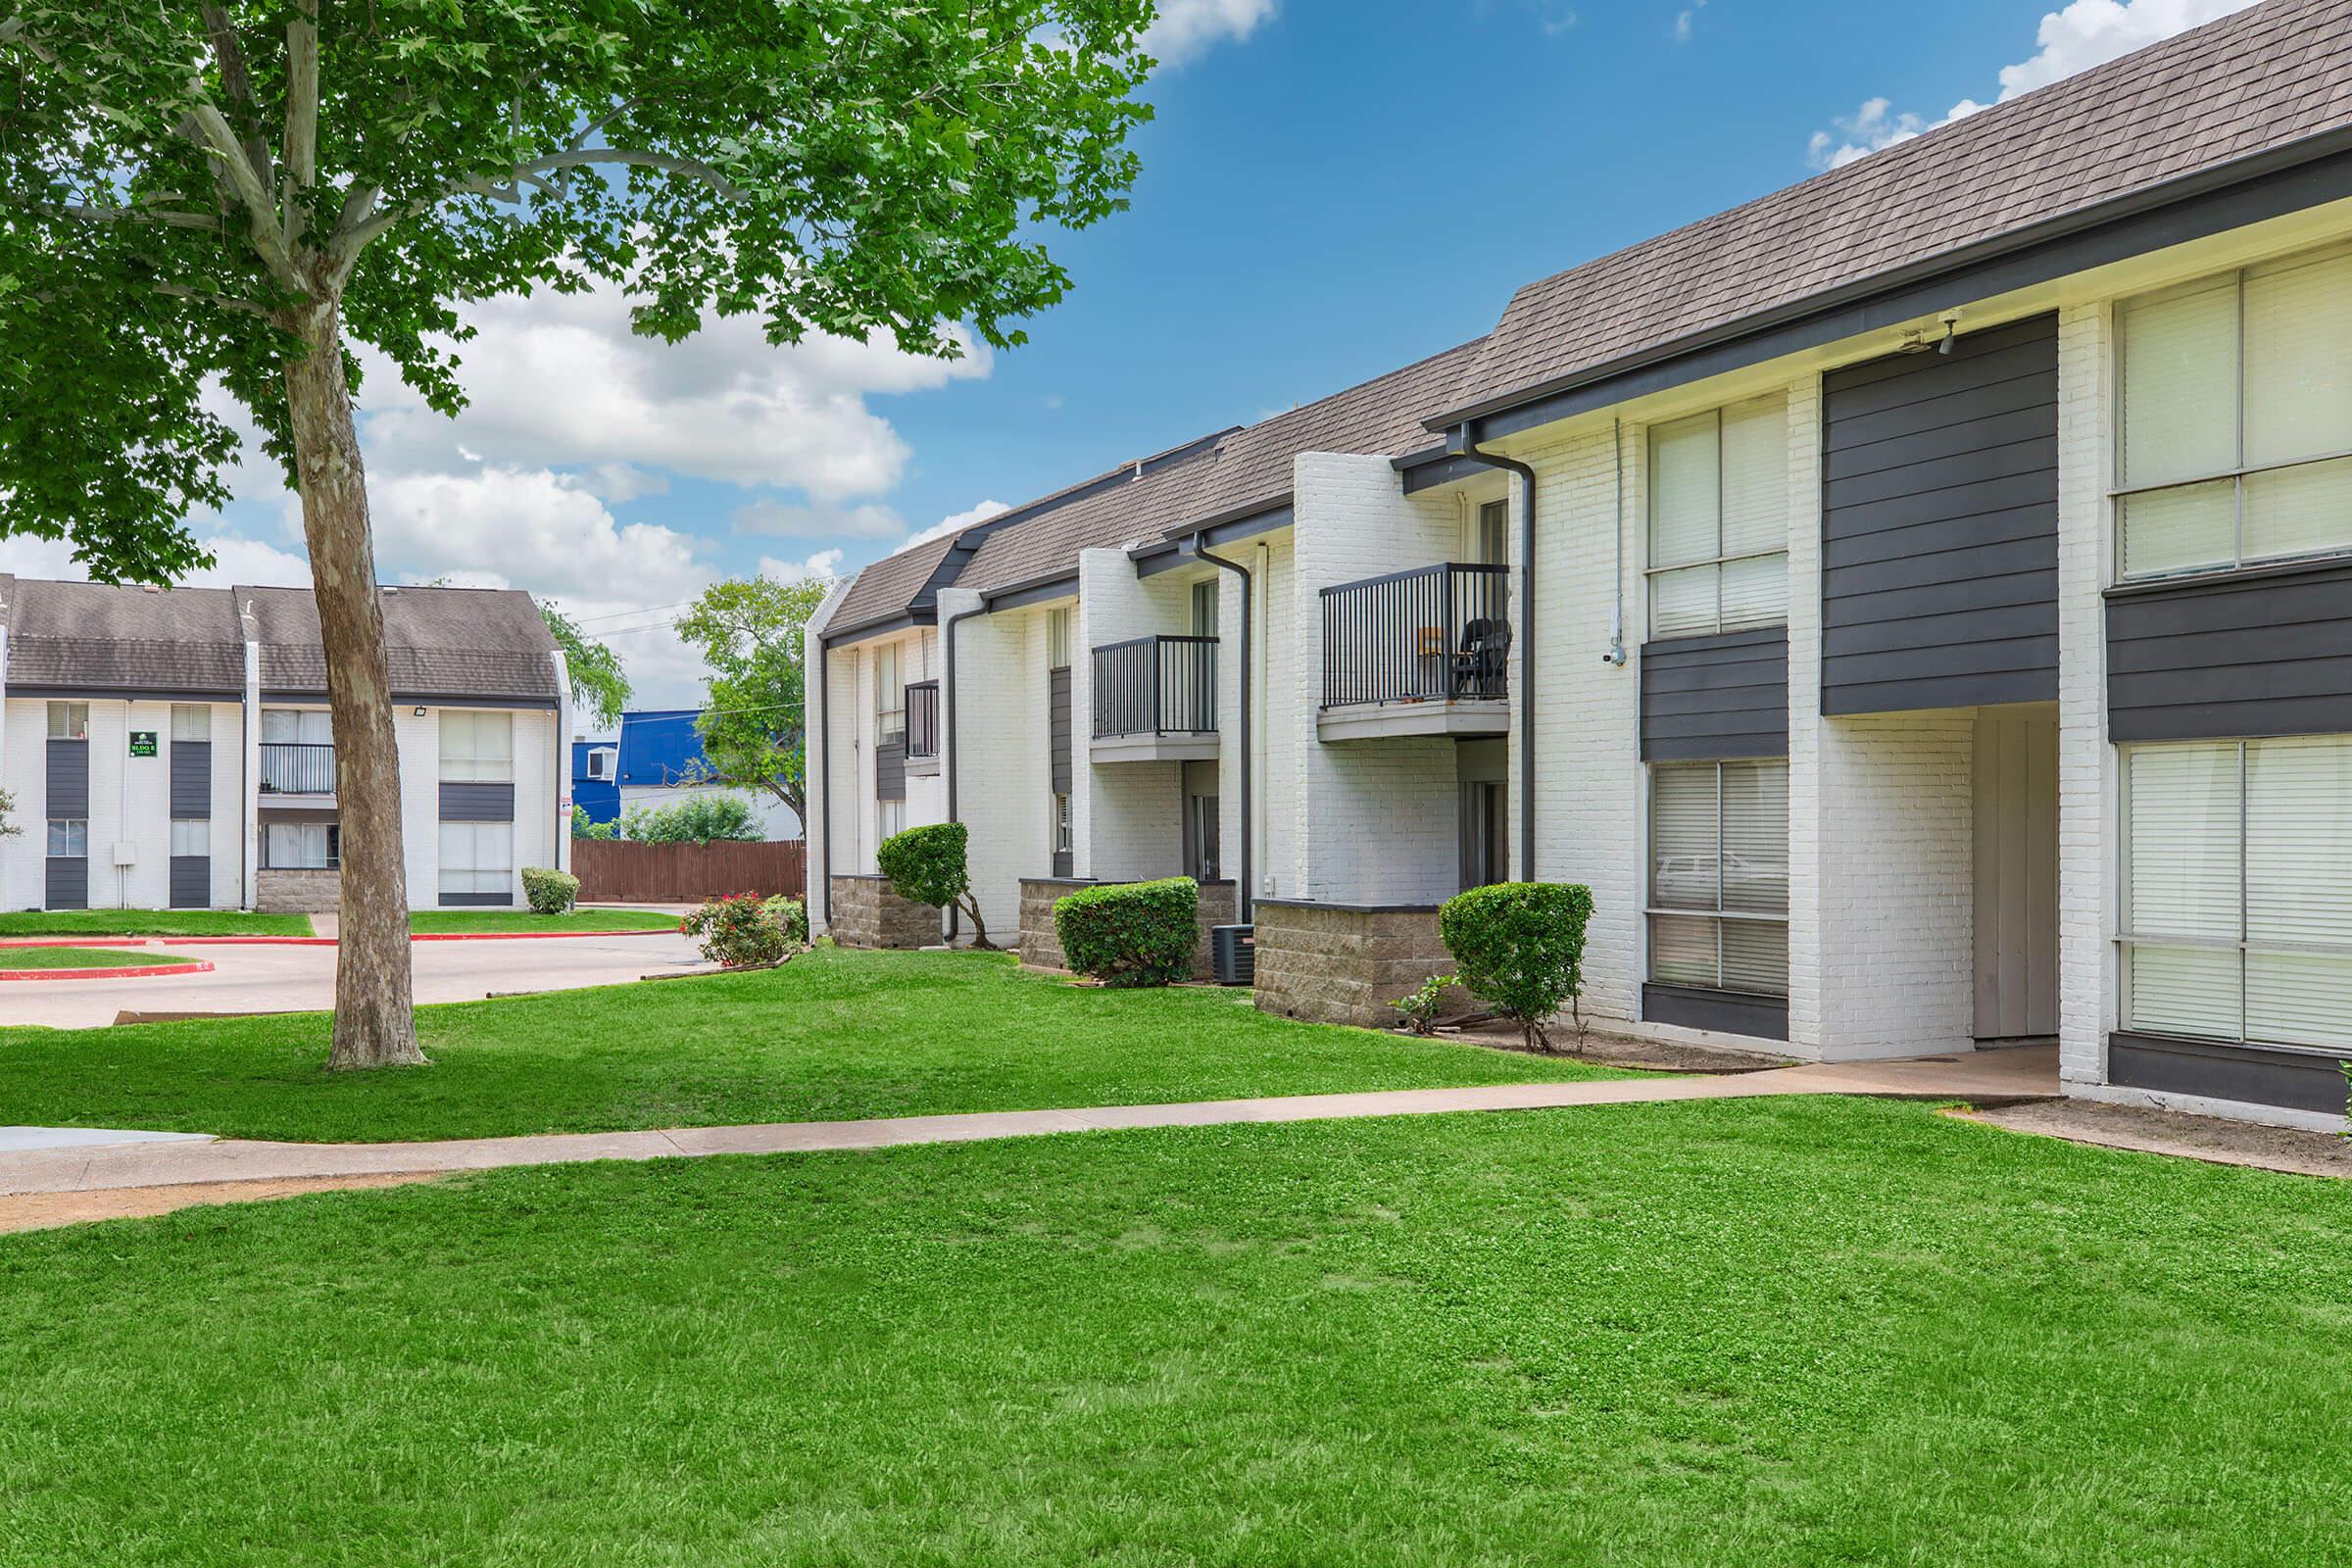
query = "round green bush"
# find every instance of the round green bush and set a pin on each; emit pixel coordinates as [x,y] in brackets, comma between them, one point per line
[1131,933]
[927,864]
[1519,947]
[792,915]
[738,931]
[548,891]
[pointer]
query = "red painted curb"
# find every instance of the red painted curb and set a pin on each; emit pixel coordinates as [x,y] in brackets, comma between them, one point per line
[128,973]
[318,942]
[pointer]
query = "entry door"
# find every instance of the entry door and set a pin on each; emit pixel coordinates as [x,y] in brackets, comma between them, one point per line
[2016,879]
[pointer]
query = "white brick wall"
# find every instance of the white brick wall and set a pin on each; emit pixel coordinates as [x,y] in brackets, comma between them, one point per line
[1000,777]
[23,760]
[1134,824]
[1283,725]
[1376,820]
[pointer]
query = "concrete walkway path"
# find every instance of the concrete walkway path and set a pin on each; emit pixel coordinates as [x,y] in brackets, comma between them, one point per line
[1990,1078]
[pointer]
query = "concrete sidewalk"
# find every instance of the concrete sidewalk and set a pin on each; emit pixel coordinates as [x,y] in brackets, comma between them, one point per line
[1990,1078]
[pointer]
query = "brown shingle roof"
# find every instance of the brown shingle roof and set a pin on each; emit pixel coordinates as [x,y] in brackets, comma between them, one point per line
[95,637]
[889,588]
[2250,82]
[438,642]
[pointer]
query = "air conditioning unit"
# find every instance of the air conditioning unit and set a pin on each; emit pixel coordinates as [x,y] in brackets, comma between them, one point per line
[1233,955]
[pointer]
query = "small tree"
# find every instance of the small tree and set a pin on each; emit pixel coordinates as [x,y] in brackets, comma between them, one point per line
[749,634]
[699,818]
[8,804]
[584,828]
[597,685]
[1519,947]
[928,866]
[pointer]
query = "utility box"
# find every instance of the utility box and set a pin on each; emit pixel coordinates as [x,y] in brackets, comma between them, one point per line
[1233,955]
[126,853]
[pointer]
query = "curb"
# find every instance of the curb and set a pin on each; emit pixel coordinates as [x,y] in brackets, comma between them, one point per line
[7,943]
[119,972]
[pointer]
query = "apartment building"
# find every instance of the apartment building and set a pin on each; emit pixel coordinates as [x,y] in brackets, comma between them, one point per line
[1915,602]
[172,748]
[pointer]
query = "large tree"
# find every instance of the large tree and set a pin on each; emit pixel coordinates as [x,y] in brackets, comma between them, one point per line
[228,194]
[749,634]
[599,687]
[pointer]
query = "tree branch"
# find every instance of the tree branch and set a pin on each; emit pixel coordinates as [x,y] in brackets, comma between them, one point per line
[357,236]
[246,183]
[83,213]
[226,302]
[301,170]
[236,84]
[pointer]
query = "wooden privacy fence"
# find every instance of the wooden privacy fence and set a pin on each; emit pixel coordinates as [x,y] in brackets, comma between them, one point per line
[615,870]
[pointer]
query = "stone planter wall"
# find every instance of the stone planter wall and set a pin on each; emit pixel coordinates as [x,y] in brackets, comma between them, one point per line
[1040,947]
[297,892]
[867,912]
[1344,962]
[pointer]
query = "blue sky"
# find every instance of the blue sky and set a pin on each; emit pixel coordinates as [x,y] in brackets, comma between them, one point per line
[1331,189]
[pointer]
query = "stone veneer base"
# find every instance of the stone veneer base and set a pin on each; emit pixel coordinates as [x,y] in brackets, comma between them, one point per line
[1344,963]
[867,912]
[1041,946]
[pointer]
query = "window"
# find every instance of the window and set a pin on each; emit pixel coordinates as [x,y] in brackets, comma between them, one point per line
[890,695]
[1483,853]
[892,816]
[1058,638]
[2236,859]
[1719,520]
[191,835]
[477,857]
[1719,876]
[2236,438]
[1492,544]
[476,748]
[69,839]
[301,847]
[1205,608]
[1063,840]
[297,726]
[191,722]
[68,721]
[1202,850]
[600,763]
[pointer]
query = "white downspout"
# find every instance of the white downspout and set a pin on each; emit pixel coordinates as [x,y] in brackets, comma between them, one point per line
[562,793]
[250,739]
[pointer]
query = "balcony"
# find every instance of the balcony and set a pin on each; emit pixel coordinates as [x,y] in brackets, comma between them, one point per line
[1425,652]
[298,769]
[922,727]
[1156,700]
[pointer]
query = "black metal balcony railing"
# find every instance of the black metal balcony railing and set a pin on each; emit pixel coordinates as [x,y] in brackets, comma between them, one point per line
[1157,686]
[922,718]
[1434,634]
[305,767]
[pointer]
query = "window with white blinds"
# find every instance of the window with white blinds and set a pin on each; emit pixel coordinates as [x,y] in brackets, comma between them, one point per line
[1719,876]
[477,857]
[2237,438]
[476,748]
[1719,520]
[890,695]
[2238,890]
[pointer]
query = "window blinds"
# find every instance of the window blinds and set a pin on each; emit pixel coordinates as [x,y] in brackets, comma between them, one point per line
[1719,520]
[1718,842]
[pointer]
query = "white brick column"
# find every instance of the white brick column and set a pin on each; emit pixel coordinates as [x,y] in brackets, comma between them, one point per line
[561,762]
[2089,909]
[1805,828]
[816,719]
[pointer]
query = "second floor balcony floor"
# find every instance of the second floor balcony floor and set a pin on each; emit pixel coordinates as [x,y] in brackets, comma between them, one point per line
[1423,651]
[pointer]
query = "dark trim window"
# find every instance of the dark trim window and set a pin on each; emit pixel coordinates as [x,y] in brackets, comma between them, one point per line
[1719,876]
[69,838]
[68,721]
[1492,546]
[1719,520]
[1205,608]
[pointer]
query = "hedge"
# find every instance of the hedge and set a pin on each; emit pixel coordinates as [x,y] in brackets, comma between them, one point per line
[1131,933]
[927,864]
[548,891]
[1519,947]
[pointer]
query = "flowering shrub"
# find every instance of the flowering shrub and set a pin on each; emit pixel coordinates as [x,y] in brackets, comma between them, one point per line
[793,916]
[738,931]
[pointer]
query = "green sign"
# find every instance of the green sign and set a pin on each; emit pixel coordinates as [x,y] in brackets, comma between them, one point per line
[142,743]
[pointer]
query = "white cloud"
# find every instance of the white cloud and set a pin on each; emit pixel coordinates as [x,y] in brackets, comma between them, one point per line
[559,380]
[956,522]
[533,528]
[2085,34]
[871,521]
[237,560]
[1686,21]
[1186,29]
[824,566]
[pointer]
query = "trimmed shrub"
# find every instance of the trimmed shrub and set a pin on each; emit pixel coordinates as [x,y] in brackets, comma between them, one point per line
[1520,949]
[792,915]
[548,891]
[928,866]
[1131,933]
[738,931]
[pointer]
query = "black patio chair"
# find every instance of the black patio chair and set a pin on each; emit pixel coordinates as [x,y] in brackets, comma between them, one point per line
[1479,669]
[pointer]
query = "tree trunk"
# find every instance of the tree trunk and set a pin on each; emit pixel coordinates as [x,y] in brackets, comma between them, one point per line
[971,906]
[375,1024]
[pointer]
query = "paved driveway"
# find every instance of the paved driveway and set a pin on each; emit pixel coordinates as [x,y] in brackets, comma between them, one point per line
[302,979]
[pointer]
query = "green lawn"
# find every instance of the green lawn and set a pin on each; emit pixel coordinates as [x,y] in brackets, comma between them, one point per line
[81,958]
[831,1035]
[150,923]
[1787,1332]
[443,921]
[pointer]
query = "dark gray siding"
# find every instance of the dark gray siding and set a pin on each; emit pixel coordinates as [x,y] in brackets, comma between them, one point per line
[68,885]
[478,900]
[1704,698]
[69,783]
[1730,1013]
[191,881]
[1057,708]
[1940,525]
[477,803]
[890,770]
[2252,1076]
[191,778]
[2263,652]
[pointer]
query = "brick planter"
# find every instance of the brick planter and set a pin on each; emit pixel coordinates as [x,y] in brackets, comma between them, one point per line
[1344,962]
[297,892]
[1040,947]
[868,913]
